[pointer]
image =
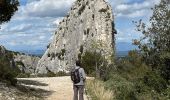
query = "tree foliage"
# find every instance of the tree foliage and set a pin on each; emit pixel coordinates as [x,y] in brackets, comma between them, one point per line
[8,71]
[155,42]
[93,62]
[7,9]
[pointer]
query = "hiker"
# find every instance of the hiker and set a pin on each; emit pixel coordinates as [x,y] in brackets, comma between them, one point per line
[78,77]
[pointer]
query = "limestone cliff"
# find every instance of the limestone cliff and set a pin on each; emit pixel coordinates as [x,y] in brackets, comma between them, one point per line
[25,63]
[2,50]
[88,21]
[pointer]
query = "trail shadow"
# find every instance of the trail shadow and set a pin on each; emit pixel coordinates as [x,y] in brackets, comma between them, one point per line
[26,87]
[31,82]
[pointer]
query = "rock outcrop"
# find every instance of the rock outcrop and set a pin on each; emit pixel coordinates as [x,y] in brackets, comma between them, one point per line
[2,50]
[88,22]
[26,63]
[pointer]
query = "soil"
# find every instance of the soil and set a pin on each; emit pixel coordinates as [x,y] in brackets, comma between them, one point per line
[60,88]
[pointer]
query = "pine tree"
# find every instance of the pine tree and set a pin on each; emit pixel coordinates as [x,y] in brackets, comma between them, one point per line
[7,9]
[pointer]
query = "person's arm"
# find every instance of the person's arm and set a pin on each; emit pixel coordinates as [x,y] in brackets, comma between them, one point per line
[83,74]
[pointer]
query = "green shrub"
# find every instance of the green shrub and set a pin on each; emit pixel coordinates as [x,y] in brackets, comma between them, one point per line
[103,10]
[50,74]
[63,51]
[7,75]
[61,73]
[7,72]
[155,81]
[92,60]
[41,75]
[61,54]
[97,90]
[124,89]
[48,54]
[81,49]
[52,55]
[79,56]
[82,8]
[133,79]
[23,75]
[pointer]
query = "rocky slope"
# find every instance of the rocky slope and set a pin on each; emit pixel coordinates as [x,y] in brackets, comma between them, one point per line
[26,63]
[21,92]
[89,22]
[2,50]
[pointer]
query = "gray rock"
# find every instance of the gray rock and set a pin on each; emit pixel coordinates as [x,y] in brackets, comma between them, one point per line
[2,50]
[88,22]
[26,63]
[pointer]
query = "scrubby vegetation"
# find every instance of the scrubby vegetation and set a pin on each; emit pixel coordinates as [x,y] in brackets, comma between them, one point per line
[8,71]
[52,74]
[94,64]
[143,74]
[134,80]
[99,93]
[81,9]
[23,75]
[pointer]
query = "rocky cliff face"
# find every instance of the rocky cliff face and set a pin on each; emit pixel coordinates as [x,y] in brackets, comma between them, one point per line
[26,63]
[2,50]
[88,22]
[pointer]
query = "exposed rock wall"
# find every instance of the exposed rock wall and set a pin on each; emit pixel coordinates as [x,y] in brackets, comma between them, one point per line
[2,50]
[88,21]
[26,63]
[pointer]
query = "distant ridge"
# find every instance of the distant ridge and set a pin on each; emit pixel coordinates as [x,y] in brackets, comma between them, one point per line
[33,52]
[121,53]
[125,46]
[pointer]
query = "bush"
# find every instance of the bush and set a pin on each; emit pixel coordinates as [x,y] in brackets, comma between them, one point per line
[155,81]
[94,62]
[23,75]
[61,73]
[41,75]
[133,80]
[7,75]
[123,89]
[8,72]
[98,91]
[51,74]
[81,9]
[81,49]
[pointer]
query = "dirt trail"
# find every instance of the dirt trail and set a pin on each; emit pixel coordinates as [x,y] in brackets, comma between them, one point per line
[61,87]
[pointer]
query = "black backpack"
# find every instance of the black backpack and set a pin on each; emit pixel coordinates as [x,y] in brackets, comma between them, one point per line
[75,76]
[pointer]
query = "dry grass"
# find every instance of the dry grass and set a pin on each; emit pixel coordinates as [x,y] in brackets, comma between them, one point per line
[97,90]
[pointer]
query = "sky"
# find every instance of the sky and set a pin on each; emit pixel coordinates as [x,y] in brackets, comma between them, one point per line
[33,25]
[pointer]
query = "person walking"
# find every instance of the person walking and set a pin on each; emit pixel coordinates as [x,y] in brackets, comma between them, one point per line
[78,77]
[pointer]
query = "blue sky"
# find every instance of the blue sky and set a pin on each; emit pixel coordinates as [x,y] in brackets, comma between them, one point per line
[34,24]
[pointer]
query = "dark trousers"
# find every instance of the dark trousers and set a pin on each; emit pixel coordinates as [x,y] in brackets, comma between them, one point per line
[78,89]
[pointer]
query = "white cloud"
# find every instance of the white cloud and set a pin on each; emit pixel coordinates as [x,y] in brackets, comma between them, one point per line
[20,28]
[132,10]
[34,23]
[127,35]
[48,8]
[57,21]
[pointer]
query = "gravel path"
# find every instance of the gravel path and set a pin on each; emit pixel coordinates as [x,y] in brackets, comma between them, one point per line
[61,87]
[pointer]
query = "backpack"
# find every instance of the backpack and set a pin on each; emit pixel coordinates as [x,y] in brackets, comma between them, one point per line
[75,76]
